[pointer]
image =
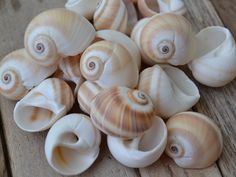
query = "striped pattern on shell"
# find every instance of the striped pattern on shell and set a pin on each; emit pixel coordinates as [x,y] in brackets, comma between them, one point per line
[111,14]
[122,112]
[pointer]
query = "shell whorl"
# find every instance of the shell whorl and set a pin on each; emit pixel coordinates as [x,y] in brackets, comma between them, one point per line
[189,137]
[117,13]
[122,112]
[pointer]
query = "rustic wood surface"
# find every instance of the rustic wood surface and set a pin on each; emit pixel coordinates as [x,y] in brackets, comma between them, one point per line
[26,151]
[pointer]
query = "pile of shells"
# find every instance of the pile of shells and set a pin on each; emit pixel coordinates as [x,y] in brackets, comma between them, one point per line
[123,72]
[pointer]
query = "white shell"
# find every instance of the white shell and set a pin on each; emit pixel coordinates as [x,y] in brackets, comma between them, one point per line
[215,60]
[72,144]
[142,151]
[85,8]
[43,105]
[16,71]
[173,6]
[169,88]
[122,39]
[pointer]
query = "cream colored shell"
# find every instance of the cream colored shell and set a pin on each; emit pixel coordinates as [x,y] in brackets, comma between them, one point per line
[109,64]
[111,14]
[86,93]
[169,88]
[85,8]
[215,60]
[16,71]
[142,151]
[194,140]
[43,105]
[55,33]
[72,144]
[122,112]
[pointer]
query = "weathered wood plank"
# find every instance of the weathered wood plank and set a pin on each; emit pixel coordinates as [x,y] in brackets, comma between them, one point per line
[3,169]
[26,151]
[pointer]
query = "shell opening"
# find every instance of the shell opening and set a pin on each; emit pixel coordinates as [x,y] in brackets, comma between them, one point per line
[70,138]
[138,97]
[165,49]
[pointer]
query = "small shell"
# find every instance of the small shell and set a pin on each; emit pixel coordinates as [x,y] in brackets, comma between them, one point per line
[122,112]
[43,105]
[85,8]
[173,6]
[109,64]
[215,60]
[142,151]
[169,88]
[148,8]
[72,144]
[16,71]
[55,33]
[194,140]
[111,14]
[87,92]
[165,38]
[122,39]
[132,15]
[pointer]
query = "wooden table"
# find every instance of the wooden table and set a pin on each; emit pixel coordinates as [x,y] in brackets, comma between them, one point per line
[22,154]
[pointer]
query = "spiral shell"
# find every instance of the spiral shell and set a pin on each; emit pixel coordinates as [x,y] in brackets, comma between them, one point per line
[85,8]
[72,144]
[165,38]
[111,14]
[170,89]
[43,105]
[215,60]
[86,93]
[55,33]
[122,112]
[109,64]
[16,70]
[142,151]
[194,140]
[122,39]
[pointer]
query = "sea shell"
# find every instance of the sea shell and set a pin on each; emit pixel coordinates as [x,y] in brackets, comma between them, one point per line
[16,71]
[111,14]
[122,112]
[165,38]
[69,70]
[72,144]
[85,8]
[55,33]
[170,89]
[43,105]
[86,93]
[122,39]
[215,60]
[194,140]
[173,6]
[109,64]
[132,15]
[142,151]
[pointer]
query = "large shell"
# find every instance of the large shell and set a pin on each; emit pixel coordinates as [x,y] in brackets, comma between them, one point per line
[16,71]
[142,151]
[165,38]
[122,39]
[194,140]
[72,144]
[111,14]
[215,60]
[55,33]
[169,88]
[122,112]
[109,64]
[85,8]
[86,93]
[43,105]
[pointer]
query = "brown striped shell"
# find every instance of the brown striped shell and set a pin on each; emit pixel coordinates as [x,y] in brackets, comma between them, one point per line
[43,105]
[194,140]
[122,112]
[86,93]
[111,14]
[16,71]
